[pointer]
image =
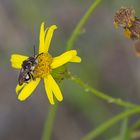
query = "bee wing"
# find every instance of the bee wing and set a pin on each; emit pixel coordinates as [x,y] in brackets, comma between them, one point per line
[21,77]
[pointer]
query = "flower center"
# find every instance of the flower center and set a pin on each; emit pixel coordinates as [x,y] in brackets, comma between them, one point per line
[43,68]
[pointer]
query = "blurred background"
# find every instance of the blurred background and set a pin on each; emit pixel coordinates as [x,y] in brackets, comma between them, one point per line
[109,63]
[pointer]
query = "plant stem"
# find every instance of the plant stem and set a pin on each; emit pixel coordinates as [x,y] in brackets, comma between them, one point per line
[135,125]
[48,128]
[99,130]
[102,95]
[81,23]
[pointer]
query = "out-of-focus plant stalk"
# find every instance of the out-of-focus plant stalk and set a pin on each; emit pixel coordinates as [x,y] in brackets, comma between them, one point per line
[81,23]
[103,127]
[102,95]
[49,123]
[135,125]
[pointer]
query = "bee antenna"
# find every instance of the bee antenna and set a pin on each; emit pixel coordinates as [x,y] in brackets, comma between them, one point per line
[34,51]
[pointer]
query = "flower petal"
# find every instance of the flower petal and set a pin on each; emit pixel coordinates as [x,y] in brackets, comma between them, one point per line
[55,88]
[28,89]
[48,90]
[18,87]
[17,60]
[76,59]
[48,37]
[45,39]
[41,39]
[62,59]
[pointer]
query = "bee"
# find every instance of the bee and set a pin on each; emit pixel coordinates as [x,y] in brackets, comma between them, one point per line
[26,72]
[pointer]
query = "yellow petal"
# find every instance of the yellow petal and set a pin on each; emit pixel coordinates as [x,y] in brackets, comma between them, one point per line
[28,89]
[41,39]
[48,37]
[17,60]
[48,90]
[62,59]
[55,88]
[76,59]
[18,87]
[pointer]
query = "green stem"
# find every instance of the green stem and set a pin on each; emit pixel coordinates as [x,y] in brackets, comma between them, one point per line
[103,96]
[99,130]
[81,23]
[135,125]
[48,128]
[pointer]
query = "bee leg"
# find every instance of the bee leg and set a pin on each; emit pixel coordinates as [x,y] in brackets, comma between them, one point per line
[32,77]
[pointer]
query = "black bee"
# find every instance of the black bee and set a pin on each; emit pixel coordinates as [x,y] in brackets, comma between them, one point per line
[26,72]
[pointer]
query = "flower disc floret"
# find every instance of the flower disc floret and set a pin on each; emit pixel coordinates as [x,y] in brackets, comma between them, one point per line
[43,68]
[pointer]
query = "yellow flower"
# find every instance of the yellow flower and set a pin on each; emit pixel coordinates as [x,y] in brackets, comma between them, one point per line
[46,63]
